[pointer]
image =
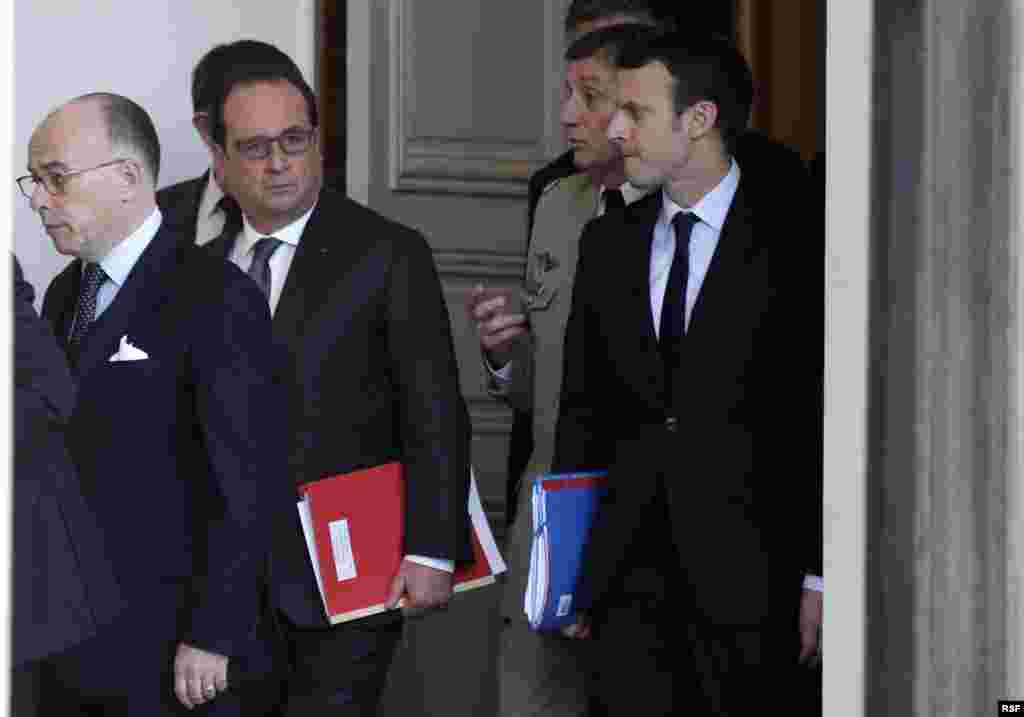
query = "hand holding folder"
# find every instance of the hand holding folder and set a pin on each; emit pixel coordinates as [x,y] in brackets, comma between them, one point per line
[564,506]
[353,525]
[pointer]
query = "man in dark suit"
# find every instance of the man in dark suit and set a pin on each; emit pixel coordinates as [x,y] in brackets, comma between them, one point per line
[198,205]
[63,588]
[685,349]
[372,377]
[173,431]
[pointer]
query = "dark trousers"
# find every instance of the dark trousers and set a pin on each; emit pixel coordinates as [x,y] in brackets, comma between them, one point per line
[338,671]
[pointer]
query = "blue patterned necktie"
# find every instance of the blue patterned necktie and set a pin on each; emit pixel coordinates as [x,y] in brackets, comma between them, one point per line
[259,270]
[92,278]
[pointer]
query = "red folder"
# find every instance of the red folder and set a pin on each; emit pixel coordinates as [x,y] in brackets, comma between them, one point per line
[354,532]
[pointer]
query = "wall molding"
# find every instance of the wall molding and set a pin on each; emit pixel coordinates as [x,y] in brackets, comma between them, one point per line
[455,165]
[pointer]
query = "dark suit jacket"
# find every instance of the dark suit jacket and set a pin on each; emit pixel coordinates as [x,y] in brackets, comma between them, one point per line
[372,378]
[741,470]
[761,158]
[64,589]
[180,454]
[179,204]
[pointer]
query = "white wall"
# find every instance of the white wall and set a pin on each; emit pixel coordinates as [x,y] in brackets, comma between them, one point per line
[144,50]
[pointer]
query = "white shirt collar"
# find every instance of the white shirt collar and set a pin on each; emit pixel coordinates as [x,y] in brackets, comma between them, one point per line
[289,234]
[123,256]
[713,206]
[212,195]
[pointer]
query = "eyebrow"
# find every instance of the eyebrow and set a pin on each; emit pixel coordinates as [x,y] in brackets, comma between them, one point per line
[633,107]
[49,166]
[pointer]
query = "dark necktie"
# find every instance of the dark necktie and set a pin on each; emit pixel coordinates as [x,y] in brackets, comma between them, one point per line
[232,225]
[85,313]
[613,200]
[673,308]
[259,270]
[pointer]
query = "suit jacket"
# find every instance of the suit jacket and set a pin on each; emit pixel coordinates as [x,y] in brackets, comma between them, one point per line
[64,589]
[740,464]
[179,204]
[371,379]
[763,160]
[180,454]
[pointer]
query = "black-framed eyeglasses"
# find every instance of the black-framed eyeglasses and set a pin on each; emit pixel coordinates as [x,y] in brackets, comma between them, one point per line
[293,142]
[55,183]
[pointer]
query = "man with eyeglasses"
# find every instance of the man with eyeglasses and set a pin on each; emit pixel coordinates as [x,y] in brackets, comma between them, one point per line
[371,375]
[200,206]
[172,434]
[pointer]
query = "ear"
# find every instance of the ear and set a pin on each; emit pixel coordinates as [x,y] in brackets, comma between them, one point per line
[201,121]
[133,178]
[703,117]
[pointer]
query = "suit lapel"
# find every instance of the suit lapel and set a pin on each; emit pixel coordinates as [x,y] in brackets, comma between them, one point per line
[312,271]
[636,311]
[66,302]
[146,285]
[734,250]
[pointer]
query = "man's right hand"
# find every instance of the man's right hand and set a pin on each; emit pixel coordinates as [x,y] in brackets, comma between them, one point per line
[498,328]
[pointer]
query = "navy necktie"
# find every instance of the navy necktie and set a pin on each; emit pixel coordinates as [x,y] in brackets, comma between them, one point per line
[613,200]
[85,313]
[672,327]
[259,270]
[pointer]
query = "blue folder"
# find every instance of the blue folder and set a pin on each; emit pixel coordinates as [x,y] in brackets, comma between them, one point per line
[564,506]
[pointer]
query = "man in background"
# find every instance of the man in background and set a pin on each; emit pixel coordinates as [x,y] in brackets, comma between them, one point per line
[371,375]
[542,673]
[199,206]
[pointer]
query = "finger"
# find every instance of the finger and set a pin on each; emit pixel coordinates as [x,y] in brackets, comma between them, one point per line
[397,588]
[195,690]
[488,307]
[504,322]
[808,643]
[181,689]
[503,338]
[209,689]
[220,681]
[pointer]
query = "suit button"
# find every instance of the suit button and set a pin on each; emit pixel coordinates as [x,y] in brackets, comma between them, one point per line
[672,424]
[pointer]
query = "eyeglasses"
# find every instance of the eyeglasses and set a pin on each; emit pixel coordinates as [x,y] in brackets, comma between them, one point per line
[293,142]
[53,183]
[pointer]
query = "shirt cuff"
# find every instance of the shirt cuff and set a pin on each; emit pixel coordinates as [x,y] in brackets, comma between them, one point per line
[437,563]
[814,582]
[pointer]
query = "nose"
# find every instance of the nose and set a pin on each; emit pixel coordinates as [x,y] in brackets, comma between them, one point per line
[278,160]
[570,112]
[617,128]
[40,198]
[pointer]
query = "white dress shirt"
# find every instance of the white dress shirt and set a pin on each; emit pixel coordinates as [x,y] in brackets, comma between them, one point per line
[210,220]
[280,262]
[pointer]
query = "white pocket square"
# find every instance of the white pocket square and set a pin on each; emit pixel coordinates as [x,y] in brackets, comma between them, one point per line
[127,352]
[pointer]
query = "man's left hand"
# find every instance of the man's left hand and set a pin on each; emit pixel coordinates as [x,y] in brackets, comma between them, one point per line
[423,587]
[810,626]
[198,675]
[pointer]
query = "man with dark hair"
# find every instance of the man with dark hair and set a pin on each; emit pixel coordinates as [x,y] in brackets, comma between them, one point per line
[198,206]
[172,434]
[685,337]
[371,375]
